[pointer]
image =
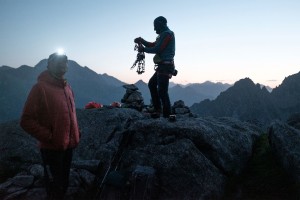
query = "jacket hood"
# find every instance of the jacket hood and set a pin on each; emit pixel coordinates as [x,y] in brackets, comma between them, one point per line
[45,76]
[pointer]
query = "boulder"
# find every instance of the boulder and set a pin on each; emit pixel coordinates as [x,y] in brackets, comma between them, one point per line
[285,143]
[18,149]
[28,186]
[193,157]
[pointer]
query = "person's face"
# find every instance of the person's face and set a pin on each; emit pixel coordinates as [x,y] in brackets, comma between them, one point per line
[157,28]
[59,67]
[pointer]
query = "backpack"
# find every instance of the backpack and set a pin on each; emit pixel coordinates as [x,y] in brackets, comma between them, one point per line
[142,183]
[113,182]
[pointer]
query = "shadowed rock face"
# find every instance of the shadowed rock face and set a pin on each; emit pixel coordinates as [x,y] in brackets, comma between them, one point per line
[193,157]
[285,142]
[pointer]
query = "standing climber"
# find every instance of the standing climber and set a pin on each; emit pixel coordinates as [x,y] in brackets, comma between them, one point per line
[164,50]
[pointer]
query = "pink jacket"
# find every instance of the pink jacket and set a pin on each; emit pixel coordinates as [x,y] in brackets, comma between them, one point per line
[49,114]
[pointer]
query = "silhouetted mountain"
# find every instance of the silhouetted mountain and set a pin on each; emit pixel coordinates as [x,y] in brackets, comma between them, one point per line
[197,92]
[209,88]
[287,95]
[110,80]
[14,88]
[143,88]
[90,86]
[247,101]
[172,84]
[15,84]
[268,88]
[188,94]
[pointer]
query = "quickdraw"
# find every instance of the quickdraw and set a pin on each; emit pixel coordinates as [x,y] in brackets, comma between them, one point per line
[140,60]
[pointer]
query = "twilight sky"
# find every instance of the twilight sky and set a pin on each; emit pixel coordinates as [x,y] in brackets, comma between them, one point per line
[216,40]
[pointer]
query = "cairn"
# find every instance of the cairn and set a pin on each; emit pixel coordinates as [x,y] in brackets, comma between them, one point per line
[132,98]
[180,108]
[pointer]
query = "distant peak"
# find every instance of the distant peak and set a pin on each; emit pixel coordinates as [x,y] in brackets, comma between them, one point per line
[24,66]
[244,82]
[140,82]
[208,83]
[42,64]
[72,61]
[4,67]
[177,86]
[107,75]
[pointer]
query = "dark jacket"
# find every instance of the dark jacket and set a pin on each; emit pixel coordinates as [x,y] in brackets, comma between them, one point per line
[164,46]
[49,114]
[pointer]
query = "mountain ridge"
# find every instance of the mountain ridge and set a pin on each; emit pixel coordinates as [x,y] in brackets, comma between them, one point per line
[248,101]
[15,84]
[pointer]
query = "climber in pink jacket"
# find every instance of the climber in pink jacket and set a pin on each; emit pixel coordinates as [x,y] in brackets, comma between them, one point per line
[49,115]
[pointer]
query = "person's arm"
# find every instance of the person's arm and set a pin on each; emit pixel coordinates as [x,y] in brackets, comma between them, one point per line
[73,95]
[161,44]
[30,119]
[148,44]
[144,42]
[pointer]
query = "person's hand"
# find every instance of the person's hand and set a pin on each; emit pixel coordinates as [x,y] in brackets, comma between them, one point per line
[141,48]
[138,40]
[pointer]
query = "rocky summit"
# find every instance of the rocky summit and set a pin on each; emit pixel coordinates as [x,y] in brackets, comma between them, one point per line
[193,158]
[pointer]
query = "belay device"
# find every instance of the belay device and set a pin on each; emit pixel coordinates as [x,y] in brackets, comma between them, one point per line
[140,60]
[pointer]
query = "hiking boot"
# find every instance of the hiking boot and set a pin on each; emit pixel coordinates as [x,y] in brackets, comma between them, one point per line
[153,110]
[171,118]
[155,115]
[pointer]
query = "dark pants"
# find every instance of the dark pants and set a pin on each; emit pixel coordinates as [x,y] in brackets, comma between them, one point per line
[57,166]
[158,86]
